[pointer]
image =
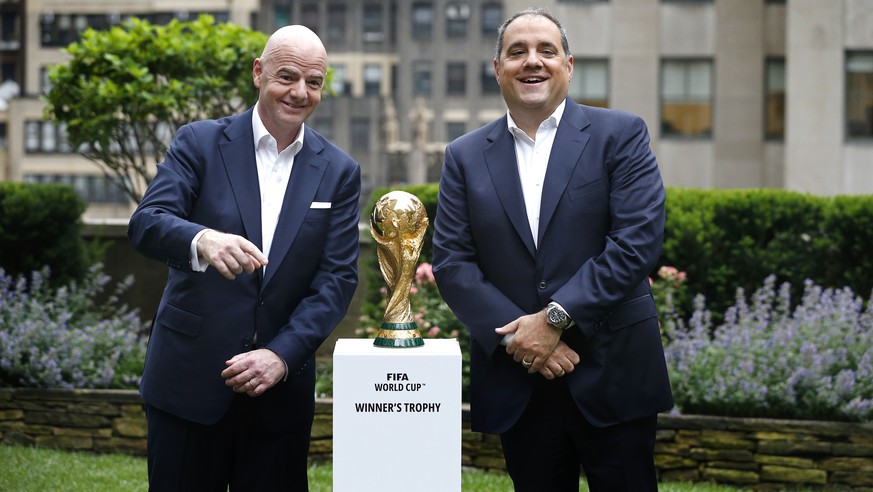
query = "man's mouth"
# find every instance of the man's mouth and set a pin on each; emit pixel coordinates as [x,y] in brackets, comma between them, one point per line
[532,80]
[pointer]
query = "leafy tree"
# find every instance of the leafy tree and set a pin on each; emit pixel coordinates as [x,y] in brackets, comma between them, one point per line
[127,89]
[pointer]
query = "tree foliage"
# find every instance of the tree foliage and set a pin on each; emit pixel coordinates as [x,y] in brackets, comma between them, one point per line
[125,90]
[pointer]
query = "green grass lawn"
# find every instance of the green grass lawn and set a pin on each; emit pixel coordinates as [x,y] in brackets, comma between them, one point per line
[35,470]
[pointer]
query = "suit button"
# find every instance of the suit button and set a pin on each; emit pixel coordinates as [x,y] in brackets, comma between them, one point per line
[542,285]
[260,301]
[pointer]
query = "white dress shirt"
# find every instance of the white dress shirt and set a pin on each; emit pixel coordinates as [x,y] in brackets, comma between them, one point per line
[533,160]
[274,171]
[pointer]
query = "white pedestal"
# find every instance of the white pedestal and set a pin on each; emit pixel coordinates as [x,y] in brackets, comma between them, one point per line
[396,417]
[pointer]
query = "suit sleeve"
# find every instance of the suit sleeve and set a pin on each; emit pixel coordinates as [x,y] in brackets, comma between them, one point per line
[477,303]
[633,243]
[159,227]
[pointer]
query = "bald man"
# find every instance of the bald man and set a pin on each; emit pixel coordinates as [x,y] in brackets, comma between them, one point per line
[256,215]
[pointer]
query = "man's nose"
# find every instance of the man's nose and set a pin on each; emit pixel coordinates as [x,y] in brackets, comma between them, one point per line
[297,89]
[533,59]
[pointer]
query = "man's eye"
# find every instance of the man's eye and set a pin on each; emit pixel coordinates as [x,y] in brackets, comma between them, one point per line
[315,83]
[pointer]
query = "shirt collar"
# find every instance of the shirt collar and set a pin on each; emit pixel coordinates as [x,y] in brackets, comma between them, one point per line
[260,132]
[551,121]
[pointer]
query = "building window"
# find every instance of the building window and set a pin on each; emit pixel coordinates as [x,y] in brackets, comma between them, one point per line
[10,27]
[686,98]
[336,22]
[859,94]
[45,84]
[31,136]
[56,30]
[422,20]
[281,16]
[360,130]
[7,71]
[45,137]
[455,129]
[489,79]
[492,17]
[372,80]
[456,78]
[373,25]
[92,189]
[457,17]
[59,30]
[340,83]
[309,16]
[421,78]
[774,85]
[590,82]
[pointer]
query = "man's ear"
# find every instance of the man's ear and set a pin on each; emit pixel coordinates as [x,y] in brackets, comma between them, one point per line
[256,73]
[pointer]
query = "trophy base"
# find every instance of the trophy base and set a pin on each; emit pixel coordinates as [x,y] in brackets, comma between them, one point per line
[398,335]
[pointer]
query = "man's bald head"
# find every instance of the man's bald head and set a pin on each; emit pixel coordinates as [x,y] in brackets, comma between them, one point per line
[289,75]
[300,37]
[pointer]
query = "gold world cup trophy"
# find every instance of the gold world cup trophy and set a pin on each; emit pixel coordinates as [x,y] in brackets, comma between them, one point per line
[398,224]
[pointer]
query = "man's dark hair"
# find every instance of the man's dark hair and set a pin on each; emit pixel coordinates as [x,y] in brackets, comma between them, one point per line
[532,11]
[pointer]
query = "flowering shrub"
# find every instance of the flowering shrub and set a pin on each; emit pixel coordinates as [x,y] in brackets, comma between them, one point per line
[433,317]
[768,359]
[70,337]
[670,293]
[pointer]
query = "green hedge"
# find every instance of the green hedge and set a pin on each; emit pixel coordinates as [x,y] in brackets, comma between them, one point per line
[40,225]
[725,239]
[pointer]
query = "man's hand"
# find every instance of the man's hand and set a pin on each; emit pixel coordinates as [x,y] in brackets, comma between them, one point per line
[229,254]
[533,342]
[562,361]
[253,372]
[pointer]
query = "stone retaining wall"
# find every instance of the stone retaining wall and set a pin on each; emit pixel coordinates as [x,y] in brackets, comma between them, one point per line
[758,454]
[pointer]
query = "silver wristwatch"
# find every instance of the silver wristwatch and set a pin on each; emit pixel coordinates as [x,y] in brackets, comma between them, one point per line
[557,317]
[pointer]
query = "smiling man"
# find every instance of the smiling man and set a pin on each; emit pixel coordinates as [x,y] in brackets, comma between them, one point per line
[548,224]
[257,216]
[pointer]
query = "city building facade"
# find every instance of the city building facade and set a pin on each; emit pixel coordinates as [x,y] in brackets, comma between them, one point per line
[736,93]
[33,34]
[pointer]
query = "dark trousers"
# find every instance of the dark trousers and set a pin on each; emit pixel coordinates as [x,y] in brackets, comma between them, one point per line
[238,451]
[552,442]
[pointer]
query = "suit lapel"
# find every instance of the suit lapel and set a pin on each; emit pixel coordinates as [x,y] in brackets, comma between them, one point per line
[565,155]
[306,175]
[503,167]
[238,154]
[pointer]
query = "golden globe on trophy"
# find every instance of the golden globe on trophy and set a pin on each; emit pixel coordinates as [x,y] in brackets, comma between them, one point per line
[398,224]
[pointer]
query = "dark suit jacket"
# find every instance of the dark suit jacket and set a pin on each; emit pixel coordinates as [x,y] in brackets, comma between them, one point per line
[209,180]
[600,234]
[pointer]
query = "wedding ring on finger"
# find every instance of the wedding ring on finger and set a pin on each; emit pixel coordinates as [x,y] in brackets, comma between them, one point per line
[525,363]
[560,372]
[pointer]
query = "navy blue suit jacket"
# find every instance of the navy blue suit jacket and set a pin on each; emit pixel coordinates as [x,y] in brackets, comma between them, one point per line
[600,234]
[209,180]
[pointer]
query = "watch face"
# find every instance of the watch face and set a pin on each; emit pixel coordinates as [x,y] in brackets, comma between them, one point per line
[557,317]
